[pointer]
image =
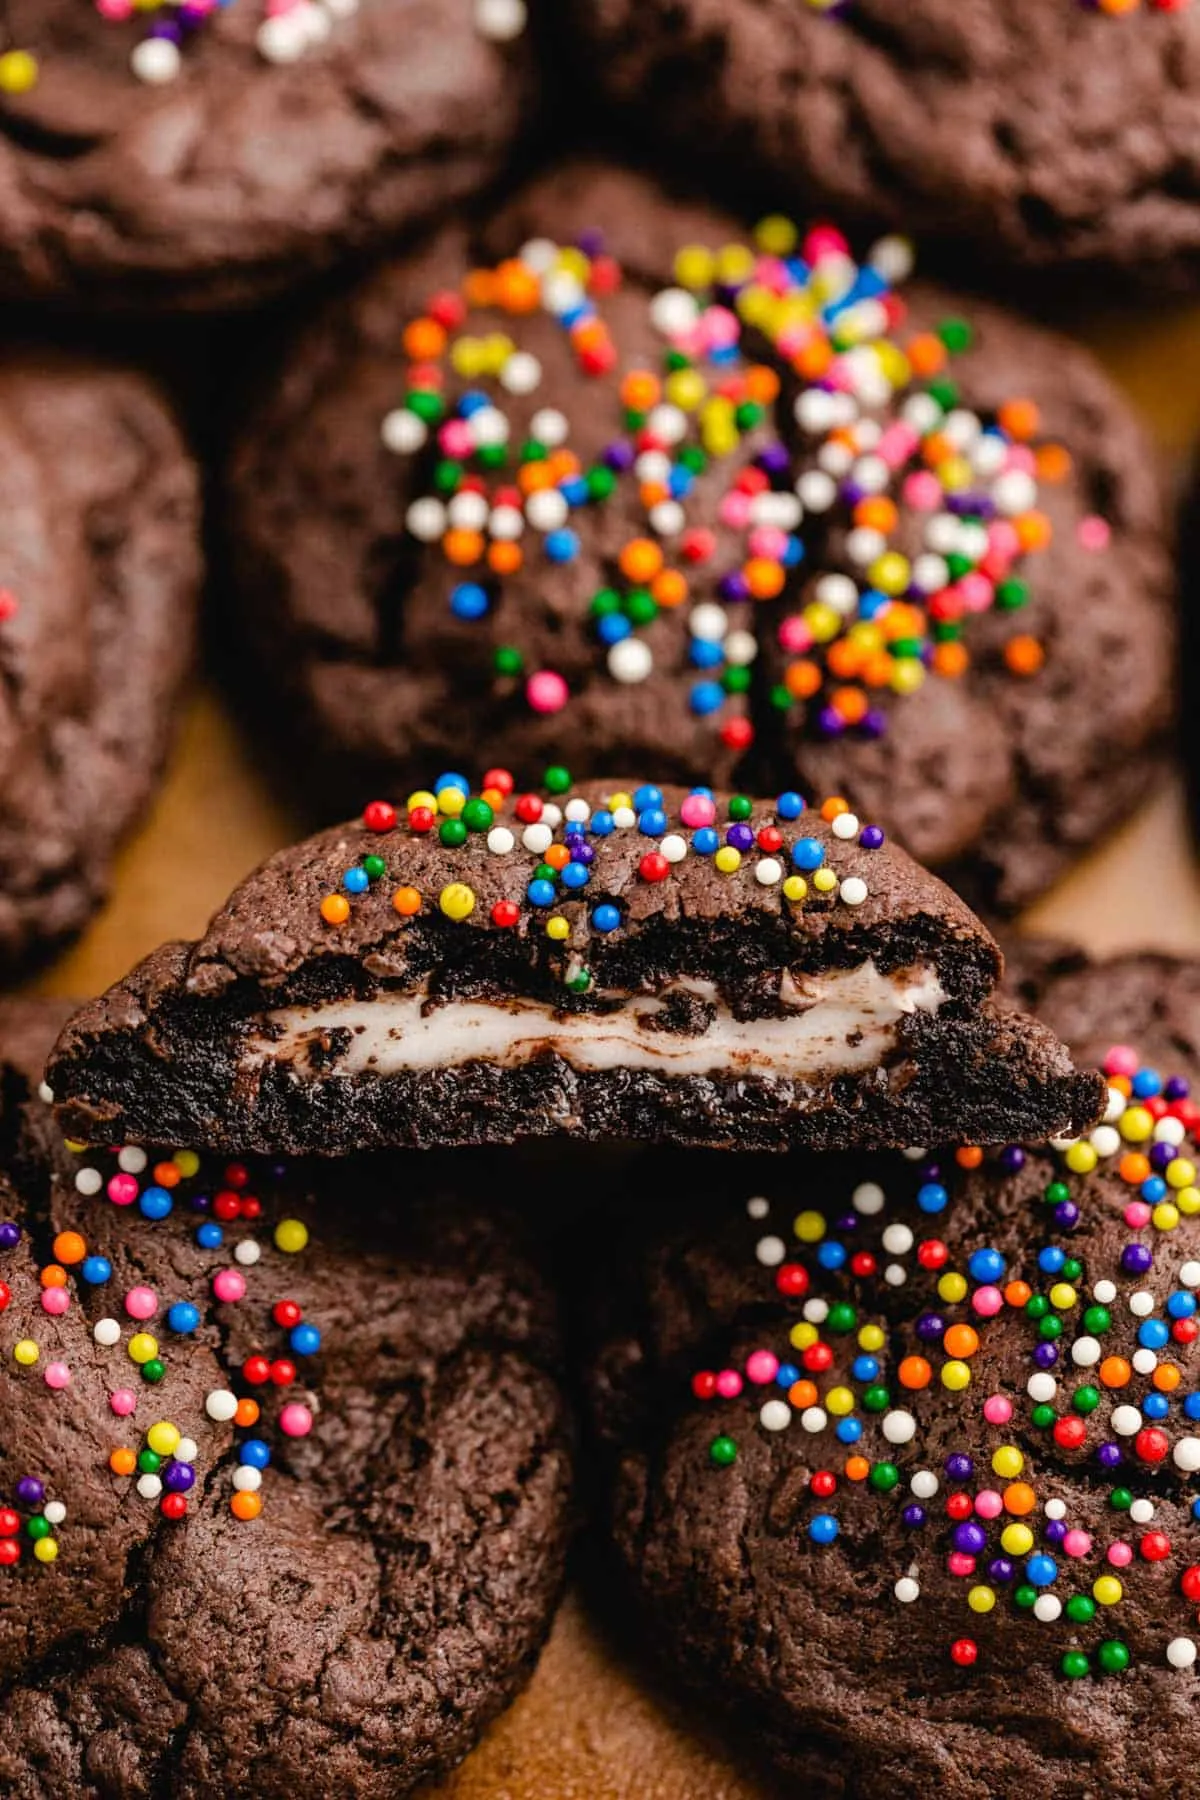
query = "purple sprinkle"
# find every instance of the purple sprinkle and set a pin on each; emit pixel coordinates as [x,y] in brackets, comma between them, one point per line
[1176,1088]
[774,460]
[590,242]
[1066,1214]
[830,722]
[1045,1355]
[1056,1531]
[1012,1158]
[582,852]
[740,836]
[1162,1154]
[1109,1456]
[31,1491]
[619,457]
[10,1235]
[1001,1568]
[873,723]
[1136,1259]
[200,1202]
[847,1222]
[733,586]
[871,837]
[970,1537]
[959,1466]
[930,1326]
[178,1477]
[913,1515]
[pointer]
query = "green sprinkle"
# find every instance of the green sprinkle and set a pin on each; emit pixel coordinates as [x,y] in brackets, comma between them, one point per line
[740,807]
[884,1477]
[1080,1609]
[508,660]
[956,334]
[841,1317]
[1086,1399]
[477,815]
[1097,1319]
[1113,1656]
[723,1451]
[556,780]
[1075,1665]
[453,833]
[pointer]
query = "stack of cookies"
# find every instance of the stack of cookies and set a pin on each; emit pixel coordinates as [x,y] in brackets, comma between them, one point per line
[623,1129]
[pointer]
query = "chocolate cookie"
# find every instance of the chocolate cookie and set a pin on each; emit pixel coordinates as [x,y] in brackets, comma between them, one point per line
[285,1483]
[1046,133]
[636,963]
[613,481]
[903,1451]
[99,570]
[207,156]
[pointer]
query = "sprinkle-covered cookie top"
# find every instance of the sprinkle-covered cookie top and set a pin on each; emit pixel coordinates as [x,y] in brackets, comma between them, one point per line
[985,1368]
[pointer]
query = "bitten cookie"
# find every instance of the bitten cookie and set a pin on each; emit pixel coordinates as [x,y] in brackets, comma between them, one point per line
[209,155]
[611,479]
[903,1452]
[285,1487]
[1043,133]
[625,963]
[99,572]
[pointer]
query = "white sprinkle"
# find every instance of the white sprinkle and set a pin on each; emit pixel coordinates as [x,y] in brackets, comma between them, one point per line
[506,523]
[837,591]
[630,661]
[667,519]
[500,840]
[521,374]
[1056,1509]
[924,1484]
[157,60]
[54,1512]
[546,509]
[1190,1274]
[1181,1653]
[768,872]
[426,519]
[1187,1455]
[673,847]
[537,838]
[672,311]
[708,622]
[1170,1131]
[467,512]
[1126,1421]
[907,1590]
[1116,1106]
[758,1206]
[1141,1303]
[776,1415]
[149,1487]
[867,1198]
[107,1332]
[814,1419]
[1085,1351]
[1106,1291]
[539,255]
[1144,1361]
[549,426]
[1047,1608]
[1041,1388]
[770,1251]
[220,1404]
[247,1252]
[845,826]
[187,1450]
[247,1480]
[897,1240]
[403,432]
[740,648]
[895,1274]
[46,1092]
[817,491]
[899,1427]
[577,811]
[816,1311]
[1142,1511]
[853,890]
[88,1181]
[624,818]
[1105,1140]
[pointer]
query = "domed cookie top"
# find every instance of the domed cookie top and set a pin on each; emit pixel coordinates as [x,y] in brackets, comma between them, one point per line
[618,482]
[212,154]
[1047,133]
[99,570]
[904,1451]
[625,962]
[284,1496]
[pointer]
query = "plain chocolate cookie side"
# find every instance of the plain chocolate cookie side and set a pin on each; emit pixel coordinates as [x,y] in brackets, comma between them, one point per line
[901,1453]
[259,151]
[100,570]
[1043,133]
[286,1473]
[795,518]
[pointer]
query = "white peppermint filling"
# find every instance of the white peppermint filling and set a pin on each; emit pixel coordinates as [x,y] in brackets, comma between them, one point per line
[837,1022]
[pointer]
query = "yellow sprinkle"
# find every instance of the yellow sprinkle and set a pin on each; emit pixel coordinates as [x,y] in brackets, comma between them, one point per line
[142,1347]
[457,900]
[694,266]
[824,880]
[1063,1296]
[871,1337]
[451,801]
[728,859]
[1081,1158]
[1135,1124]
[1165,1217]
[46,1549]
[795,888]
[1016,1540]
[187,1162]
[18,72]
[422,797]
[25,1352]
[907,675]
[890,572]
[809,1227]
[164,1438]
[735,262]
[1008,1461]
[1188,1200]
[291,1235]
[981,1599]
[952,1287]
[776,235]
[956,1376]
[839,1401]
[802,1336]
[558,928]
[1107,1590]
[1181,1173]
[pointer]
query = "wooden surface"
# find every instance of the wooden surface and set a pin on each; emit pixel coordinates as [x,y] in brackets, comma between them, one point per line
[592,1726]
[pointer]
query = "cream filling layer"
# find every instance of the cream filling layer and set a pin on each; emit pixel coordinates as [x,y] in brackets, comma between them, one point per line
[836,1023]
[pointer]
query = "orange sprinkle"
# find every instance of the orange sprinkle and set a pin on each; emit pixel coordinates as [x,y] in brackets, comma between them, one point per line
[122,1462]
[669,587]
[335,909]
[1019,1499]
[494,797]
[245,1505]
[902,621]
[640,390]
[53,1276]
[167,1174]
[802,679]
[1134,1168]
[504,557]
[961,1340]
[877,513]
[1024,655]
[937,448]
[857,1468]
[833,808]
[951,660]
[423,340]
[1018,1293]
[802,1394]
[1034,530]
[517,288]
[479,288]
[557,856]
[914,1372]
[1122,1084]
[850,704]
[462,548]
[1019,418]
[1053,463]
[813,360]
[562,463]
[640,560]
[762,384]
[926,354]
[248,1413]
[69,1247]
[406,901]
[1166,1378]
[532,477]
[650,493]
[876,671]
[845,658]
[1115,1372]
[763,577]
[968,1156]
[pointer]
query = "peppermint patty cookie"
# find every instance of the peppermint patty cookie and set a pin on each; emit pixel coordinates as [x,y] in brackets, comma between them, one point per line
[1044,133]
[904,1449]
[284,1494]
[209,154]
[99,571]
[616,480]
[612,962]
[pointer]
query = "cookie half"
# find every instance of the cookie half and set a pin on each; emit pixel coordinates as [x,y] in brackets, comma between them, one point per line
[1041,133]
[625,963]
[210,157]
[903,1450]
[98,587]
[616,480]
[286,1475]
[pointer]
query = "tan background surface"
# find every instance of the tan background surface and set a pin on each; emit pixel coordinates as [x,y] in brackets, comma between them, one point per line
[591,1727]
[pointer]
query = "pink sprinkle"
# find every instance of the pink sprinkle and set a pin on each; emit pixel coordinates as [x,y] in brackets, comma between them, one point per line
[794,636]
[546,691]
[1094,533]
[729,1384]
[734,510]
[123,1402]
[58,1376]
[55,1301]
[123,1189]
[896,445]
[1077,1543]
[987,1302]
[141,1303]
[922,491]
[988,1503]
[114,10]
[761,1367]
[823,240]
[1002,539]
[455,439]
[959,1563]
[1120,1555]
[1137,1215]
[997,1409]
[768,541]
[697,810]
[295,1420]
[976,591]
[1121,1060]
[1020,456]
[721,327]
[229,1284]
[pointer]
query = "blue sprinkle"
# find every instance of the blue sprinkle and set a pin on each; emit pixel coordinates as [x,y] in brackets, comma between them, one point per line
[601,824]
[865,1368]
[562,546]
[1156,1406]
[1041,1570]
[787,1374]
[473,401]
[1191,1406]
[1153,1334]
[1181,1305]
[645,797]
[789,805]
[183,1317]
[210,1235]
[155,1203]
[849,1430]
[355,881]
[305,1340]
[1146,1083]
[612,628]
[574,875]
[706,841]
[807,853]
[822,1528]
[452,780]
[254,1453]
[932,1197]
[705,654]
[652,822]
[831,1255]
[986,1265]
[541,893]
[605,918]
[469,600]
[1051,1259]
[95,1269]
